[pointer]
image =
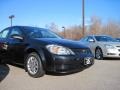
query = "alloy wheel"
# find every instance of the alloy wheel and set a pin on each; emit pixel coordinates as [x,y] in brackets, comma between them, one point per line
[32,65]
[98,54]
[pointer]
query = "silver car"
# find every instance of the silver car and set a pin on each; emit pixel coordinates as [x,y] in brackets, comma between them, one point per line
[102,46]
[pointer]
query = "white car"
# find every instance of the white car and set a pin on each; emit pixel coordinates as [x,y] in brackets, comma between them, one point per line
[102,46]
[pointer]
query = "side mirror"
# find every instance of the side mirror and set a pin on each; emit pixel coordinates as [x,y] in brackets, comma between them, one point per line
[16,36]
[91,40]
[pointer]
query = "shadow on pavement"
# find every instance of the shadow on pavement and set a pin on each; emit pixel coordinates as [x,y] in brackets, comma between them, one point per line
[64,74]
[4,70]
[112,59]
[54,73]
[16,65]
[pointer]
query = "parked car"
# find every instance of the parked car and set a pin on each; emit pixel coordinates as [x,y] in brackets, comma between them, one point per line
[118,39]
[102,46]
[41,50]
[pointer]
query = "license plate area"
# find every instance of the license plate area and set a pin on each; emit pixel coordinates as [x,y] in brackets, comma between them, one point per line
[87,61]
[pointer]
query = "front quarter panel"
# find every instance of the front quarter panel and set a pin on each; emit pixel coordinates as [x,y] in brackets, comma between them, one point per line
[39,47]
[102,46]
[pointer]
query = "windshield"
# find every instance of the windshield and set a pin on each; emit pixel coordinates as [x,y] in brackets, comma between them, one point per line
[40,33]
[105,39]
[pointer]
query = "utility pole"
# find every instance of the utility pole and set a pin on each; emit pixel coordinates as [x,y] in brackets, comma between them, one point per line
[11,17]
[64,31]
[83,17]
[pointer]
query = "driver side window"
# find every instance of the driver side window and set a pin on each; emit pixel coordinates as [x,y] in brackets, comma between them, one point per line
[84,39]
[15,31]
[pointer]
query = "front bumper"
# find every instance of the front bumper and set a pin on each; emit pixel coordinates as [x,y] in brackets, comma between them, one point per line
[69,64]
[115,53]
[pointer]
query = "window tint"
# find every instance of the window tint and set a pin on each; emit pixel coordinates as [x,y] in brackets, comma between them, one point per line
[47,34]
[4,33]
[16,31]
[84,39]
[41,33]
[105,39]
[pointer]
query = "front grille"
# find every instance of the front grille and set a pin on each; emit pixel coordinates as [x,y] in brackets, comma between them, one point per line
[82,51]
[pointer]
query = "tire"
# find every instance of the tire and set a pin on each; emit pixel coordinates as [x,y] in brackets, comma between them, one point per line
[34,65]
[99,54]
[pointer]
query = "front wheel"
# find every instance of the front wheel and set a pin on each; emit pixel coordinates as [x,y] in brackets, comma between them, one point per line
[34,65]
[98,54]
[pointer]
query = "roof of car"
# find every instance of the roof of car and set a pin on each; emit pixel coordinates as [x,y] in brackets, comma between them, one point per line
[98,35]
[25,27]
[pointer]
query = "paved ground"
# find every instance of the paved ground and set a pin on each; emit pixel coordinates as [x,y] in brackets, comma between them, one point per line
[103,75]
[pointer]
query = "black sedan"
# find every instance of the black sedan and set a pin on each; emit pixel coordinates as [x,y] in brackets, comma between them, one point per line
[41,50]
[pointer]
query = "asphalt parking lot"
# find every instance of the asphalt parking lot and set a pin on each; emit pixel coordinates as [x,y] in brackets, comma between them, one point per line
[103,75]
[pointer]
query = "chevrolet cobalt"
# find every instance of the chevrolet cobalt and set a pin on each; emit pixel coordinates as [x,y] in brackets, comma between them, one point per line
[40,50]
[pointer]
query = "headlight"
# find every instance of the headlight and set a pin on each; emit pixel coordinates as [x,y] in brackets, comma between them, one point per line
[59,50]
[109,46]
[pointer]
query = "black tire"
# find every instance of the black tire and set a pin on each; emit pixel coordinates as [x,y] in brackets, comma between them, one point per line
[37,65]
[99,54]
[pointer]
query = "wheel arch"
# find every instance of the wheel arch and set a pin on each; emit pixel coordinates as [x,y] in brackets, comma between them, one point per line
[39,52]
[98,47]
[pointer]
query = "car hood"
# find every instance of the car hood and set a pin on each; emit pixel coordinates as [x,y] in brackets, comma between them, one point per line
[111,43]
[62,42]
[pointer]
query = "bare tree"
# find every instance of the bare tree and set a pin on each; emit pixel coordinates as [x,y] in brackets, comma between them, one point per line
[112,28]
[95,27]
[52,26]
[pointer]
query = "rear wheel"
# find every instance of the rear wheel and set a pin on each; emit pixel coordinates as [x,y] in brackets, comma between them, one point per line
[98,54]
[34,65]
